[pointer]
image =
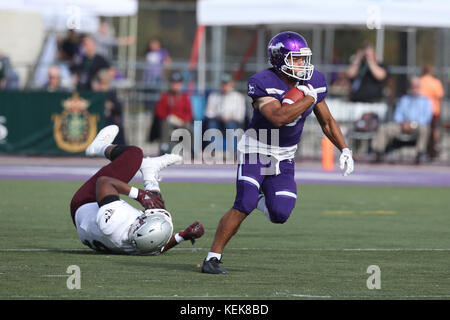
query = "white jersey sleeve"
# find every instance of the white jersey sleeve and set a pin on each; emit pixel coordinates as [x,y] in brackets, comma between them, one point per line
[106,228]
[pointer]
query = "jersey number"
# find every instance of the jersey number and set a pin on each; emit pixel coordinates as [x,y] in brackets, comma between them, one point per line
[96,245]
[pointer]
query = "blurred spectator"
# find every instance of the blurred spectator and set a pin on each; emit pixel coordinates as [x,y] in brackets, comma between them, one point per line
[67,79]
[340,85]
[90,64]
[225,109]
[9,80]
[412,117]
[4,69]
[367,75]
[106,41]
[157,60]
[113,106]
[69,47]
[431,87]
[173,111]
[339,82]
[54,80]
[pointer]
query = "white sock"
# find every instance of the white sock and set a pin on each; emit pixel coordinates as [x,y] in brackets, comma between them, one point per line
[151,184]
[213,255]
[263,208]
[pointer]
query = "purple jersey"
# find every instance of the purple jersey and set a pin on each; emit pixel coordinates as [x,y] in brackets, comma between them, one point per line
[267,83]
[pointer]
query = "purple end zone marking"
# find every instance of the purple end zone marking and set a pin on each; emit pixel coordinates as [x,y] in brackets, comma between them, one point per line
[403,176]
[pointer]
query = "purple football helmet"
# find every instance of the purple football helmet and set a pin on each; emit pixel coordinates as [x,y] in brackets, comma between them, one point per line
[284,48]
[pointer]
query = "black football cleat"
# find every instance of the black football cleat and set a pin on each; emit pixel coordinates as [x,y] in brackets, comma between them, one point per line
[212,266]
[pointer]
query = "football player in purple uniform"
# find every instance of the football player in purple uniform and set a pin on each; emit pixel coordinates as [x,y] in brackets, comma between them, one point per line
[265,178]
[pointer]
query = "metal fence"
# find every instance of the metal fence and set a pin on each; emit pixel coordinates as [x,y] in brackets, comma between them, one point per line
[138,118]
[139,101]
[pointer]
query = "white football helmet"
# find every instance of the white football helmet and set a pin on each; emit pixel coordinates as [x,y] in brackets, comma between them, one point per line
[151,231]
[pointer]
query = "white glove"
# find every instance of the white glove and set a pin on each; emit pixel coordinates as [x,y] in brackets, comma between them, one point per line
[346,159]
[310,91]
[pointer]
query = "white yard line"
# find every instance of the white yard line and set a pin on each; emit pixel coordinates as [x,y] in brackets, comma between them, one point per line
[276,295]
[238,249]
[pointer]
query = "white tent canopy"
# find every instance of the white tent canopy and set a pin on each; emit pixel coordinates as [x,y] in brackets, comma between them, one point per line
[327,15]
[414,13]
[110,8]
[58,14]
[55,16]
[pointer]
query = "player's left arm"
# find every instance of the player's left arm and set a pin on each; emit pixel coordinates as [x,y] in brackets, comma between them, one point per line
[108,189]
[192,232]
[333,132]
[107,186]
[329,125]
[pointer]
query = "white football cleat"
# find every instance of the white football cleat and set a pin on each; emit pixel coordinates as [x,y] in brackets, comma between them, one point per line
[151,167]
[105,137]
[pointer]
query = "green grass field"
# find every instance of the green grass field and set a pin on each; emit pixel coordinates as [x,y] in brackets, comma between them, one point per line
[334,234]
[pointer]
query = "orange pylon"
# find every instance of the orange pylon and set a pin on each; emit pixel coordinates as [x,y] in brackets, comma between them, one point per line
[327,154]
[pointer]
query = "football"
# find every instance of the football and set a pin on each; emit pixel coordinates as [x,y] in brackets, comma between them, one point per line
[292,96]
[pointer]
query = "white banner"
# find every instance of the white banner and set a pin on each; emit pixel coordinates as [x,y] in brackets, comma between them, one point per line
[373,14]
[110,8]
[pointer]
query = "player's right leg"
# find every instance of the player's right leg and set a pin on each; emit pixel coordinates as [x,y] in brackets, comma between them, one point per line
[227,228]
[249,179]
[151,167]
[125,163]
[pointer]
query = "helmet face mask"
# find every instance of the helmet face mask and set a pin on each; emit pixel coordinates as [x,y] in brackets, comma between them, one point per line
[299,72]
[151,231]
[284,49]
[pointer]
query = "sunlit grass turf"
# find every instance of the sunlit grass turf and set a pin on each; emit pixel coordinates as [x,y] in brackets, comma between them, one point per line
[334,234]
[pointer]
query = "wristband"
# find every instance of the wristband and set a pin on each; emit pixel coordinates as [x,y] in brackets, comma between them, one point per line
[348,150]
[178,238]
[133,192]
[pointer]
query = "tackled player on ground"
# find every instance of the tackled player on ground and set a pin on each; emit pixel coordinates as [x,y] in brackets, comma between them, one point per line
[106,223]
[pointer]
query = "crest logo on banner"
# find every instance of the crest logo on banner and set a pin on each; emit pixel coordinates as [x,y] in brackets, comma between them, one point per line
[75,128]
